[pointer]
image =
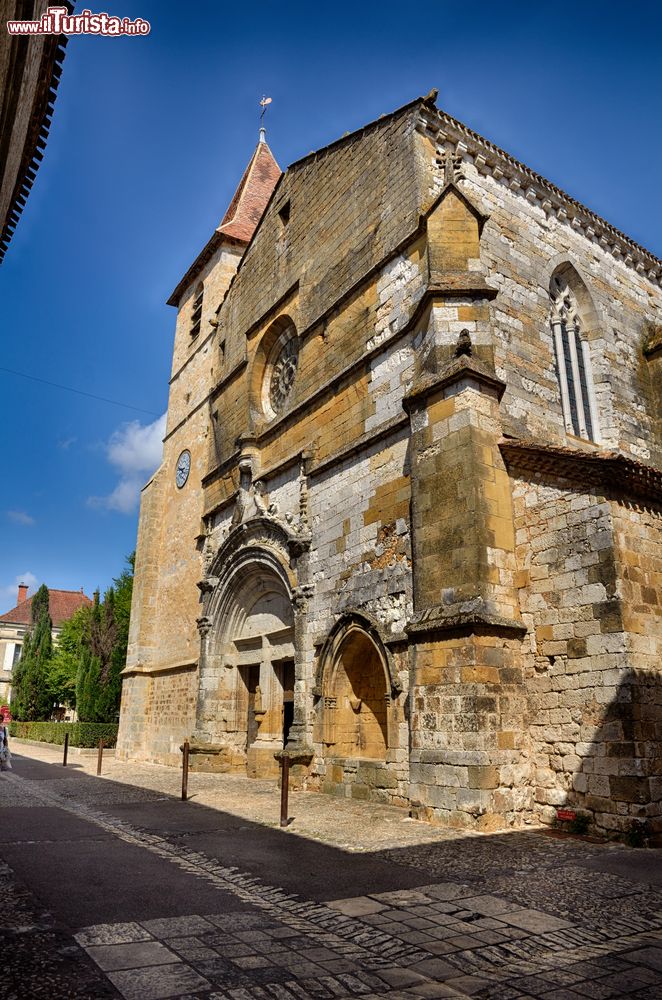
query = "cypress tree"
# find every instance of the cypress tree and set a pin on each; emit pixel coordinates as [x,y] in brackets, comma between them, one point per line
[31,688]
[103,652]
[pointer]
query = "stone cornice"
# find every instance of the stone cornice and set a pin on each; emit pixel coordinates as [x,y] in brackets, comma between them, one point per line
[160,668]
[609,470]
[490,160]
[458,368]
[470,617]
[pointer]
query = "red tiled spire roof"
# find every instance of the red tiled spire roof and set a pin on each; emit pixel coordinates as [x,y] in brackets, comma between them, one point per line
[251,197]
[62,604]
[243,215]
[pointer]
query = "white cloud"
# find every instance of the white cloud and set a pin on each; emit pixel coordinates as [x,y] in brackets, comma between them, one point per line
[135,450]
[9,593]
[66,443]
[20,517]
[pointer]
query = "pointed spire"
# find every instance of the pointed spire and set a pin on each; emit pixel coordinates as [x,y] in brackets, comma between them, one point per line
[254,191]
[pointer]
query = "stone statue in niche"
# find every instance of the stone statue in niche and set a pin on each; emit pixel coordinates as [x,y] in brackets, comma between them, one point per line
[258,708]
[253,501]
[251,498]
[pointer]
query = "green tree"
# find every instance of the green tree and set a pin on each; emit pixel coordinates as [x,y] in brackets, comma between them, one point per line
[64,664]
[103,651]
[87,686]
[117,609]
[31,692]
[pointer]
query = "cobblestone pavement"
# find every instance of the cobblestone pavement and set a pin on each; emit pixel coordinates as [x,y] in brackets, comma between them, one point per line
[508,916]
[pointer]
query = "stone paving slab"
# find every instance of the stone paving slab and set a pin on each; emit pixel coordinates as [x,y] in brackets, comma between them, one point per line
[114,957]
[507,916]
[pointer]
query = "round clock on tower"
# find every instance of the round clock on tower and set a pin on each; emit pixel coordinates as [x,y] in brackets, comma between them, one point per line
[183,468]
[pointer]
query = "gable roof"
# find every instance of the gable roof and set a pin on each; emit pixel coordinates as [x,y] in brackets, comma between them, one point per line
[62,604]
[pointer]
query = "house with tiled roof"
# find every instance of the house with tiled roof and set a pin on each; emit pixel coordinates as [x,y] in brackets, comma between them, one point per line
[14,625]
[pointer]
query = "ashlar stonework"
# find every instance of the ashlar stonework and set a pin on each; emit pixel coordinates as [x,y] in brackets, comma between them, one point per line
[418,389]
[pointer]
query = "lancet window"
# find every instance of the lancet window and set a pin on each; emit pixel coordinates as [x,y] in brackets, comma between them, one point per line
[573,362]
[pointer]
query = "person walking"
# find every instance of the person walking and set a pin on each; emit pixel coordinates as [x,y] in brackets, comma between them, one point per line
[5,754]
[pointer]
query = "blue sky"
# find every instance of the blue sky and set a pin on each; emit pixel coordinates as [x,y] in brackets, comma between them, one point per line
[150,137]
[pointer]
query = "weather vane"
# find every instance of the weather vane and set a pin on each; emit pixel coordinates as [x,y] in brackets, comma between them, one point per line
[264,104]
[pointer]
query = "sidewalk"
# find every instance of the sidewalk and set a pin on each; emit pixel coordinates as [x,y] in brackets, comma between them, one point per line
[344,823]
[122,890]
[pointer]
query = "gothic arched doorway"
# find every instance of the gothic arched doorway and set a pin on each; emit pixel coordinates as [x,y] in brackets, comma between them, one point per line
[359,690]
[246,692]
[358,714]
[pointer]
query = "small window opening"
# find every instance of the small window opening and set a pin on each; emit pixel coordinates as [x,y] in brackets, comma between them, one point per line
[284,213]
[196,315]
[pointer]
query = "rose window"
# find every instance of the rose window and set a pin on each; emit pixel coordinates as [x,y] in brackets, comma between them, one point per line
[282,374]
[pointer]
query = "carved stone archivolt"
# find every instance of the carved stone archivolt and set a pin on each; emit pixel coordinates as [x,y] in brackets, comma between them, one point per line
[349,623]
[256,521]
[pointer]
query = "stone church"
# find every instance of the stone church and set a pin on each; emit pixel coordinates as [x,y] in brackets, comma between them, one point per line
[408,517]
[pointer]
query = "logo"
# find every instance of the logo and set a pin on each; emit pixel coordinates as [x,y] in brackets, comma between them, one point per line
[58,21]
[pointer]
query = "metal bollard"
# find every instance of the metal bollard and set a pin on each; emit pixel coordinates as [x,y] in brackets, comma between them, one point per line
[185,751]
[100,757]
[66,749]
[284,789]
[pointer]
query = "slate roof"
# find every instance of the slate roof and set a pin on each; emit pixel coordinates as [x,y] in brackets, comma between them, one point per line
[62,605]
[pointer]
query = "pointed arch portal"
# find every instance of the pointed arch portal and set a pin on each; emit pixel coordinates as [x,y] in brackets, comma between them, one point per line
[356,682]
[246,698]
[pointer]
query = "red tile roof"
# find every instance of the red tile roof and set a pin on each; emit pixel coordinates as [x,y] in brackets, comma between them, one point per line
[243,215]
[62,605]
[251,197]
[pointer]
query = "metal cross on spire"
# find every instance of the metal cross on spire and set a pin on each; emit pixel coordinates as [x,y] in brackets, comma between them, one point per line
[264,104]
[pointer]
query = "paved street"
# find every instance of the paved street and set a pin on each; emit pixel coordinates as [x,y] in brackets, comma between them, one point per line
[112,887]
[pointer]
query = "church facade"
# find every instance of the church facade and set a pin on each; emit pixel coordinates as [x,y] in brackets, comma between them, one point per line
[407,522]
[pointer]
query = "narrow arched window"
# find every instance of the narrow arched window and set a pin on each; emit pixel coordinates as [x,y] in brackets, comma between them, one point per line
[196,315]
[573,362]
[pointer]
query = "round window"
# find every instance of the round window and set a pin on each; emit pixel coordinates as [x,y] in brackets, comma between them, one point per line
[280,373]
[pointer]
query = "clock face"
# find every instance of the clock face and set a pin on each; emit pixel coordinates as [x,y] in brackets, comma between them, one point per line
[183,468]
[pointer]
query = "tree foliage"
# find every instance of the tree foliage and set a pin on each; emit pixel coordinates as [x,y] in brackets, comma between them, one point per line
[64,664]
[103,651]
[31,689]
[84,670]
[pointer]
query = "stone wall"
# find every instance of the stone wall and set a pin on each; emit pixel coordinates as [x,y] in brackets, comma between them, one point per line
[342,224]
[158,708]
[590,568]
[157,715]
[513,610]
[521,246]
